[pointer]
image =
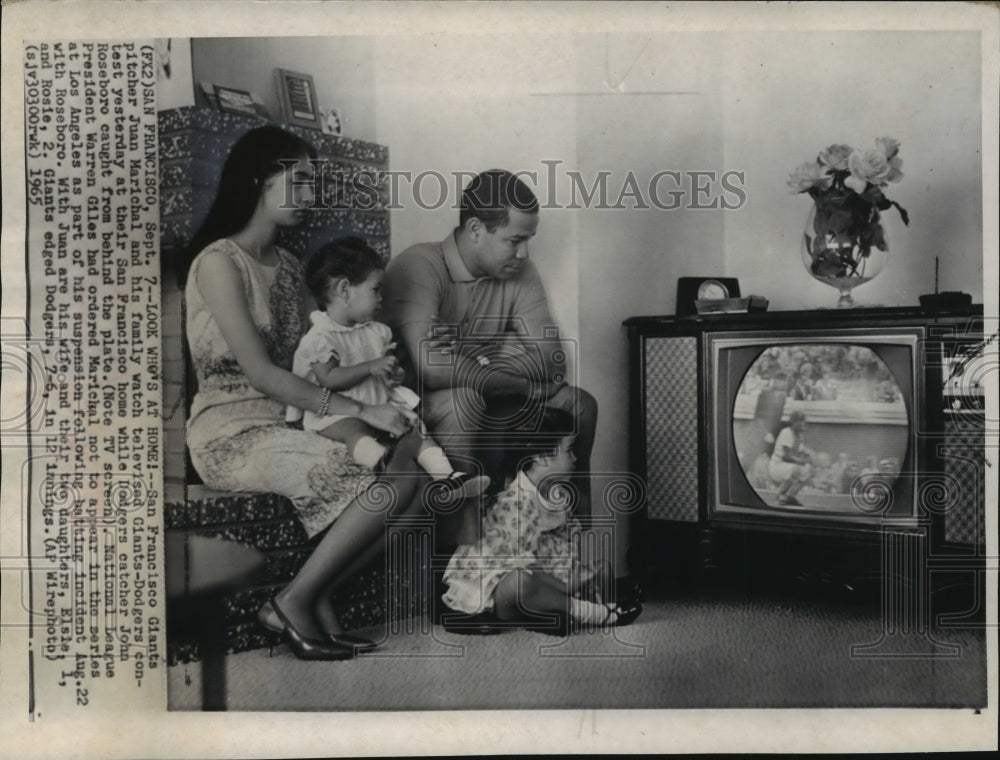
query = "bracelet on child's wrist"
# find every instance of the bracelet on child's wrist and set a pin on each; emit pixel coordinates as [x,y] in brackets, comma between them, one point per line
[324,406]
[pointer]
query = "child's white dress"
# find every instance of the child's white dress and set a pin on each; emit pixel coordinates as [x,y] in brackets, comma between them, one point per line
[520,530]
[351,345]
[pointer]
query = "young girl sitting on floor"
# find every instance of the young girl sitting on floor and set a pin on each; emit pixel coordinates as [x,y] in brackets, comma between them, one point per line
[528,559]
[346,351]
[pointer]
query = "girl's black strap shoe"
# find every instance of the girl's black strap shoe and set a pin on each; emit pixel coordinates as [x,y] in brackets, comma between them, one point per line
[625,614]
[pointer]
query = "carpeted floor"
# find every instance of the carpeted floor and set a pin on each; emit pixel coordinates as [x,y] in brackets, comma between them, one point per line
[733,652]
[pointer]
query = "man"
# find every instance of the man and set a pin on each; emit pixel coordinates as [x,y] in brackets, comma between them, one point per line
[481,345]
[790,464]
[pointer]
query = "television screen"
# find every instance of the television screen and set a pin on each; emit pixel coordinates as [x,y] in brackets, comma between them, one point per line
[815,427]
[810,420]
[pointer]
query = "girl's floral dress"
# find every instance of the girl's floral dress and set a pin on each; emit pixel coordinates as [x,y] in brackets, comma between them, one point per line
[521,530]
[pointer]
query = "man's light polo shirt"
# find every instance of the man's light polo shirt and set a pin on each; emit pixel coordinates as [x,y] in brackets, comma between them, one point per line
[430,279]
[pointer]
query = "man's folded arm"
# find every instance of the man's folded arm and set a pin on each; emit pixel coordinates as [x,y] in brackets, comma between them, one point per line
[440,364]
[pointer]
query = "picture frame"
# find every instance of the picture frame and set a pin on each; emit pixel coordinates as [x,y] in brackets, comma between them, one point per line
[208,92]
[297,95]
[231,100]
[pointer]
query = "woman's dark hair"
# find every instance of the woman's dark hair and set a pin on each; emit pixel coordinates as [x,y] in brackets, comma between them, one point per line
[522,446]
[256,156]
[348,257]
[490,196]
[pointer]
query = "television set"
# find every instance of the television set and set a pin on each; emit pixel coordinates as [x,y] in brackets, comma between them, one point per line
[817,428]
[826,443]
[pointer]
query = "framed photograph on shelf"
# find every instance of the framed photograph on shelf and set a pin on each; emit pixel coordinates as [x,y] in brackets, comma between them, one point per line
[208,93]
[235,101]
[297,95]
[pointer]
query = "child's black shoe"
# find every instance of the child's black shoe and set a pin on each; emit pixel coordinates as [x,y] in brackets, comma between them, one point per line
[482,624]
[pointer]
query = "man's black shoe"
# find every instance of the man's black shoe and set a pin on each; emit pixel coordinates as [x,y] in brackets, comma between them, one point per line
[487,624]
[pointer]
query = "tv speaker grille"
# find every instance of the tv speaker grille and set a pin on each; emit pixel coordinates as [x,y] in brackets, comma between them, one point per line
[964,455]
[671,385]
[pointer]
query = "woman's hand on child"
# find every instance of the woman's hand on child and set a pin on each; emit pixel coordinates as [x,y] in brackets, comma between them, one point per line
[386,417]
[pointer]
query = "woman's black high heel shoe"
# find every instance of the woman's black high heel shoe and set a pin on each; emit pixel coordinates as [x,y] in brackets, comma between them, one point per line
[305,648]
[342,640]
[358,643]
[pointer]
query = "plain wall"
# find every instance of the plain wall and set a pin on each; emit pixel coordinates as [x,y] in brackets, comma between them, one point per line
[174,89]
[666,118]
[788,95]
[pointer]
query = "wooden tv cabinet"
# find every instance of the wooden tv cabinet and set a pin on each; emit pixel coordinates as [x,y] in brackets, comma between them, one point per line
[681,541]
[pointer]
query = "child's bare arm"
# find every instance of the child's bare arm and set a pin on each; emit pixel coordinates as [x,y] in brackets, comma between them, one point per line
[331,375]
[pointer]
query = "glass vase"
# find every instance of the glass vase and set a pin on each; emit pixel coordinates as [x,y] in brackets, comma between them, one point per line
[844,259]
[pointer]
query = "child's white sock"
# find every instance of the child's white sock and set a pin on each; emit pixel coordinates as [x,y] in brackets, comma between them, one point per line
[368,452]
[435,463]
[590,613]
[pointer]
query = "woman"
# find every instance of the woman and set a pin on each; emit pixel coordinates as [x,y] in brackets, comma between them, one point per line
[245,305]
